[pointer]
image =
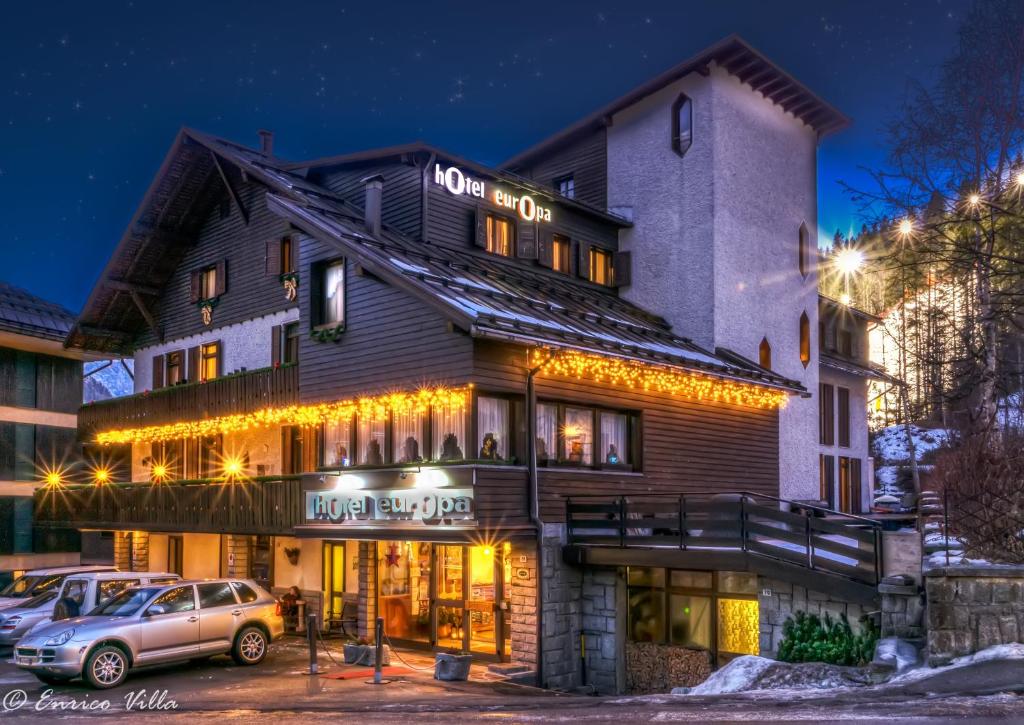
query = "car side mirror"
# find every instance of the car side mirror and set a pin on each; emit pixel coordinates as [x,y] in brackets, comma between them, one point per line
[155,610]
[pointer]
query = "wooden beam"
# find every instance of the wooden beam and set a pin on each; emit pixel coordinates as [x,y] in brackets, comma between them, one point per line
[230,188]
[150,320]
[122,286]
[94,331]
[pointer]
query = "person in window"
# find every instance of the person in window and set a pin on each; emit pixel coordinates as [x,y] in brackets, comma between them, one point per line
[374,457]
[612,455]
[450,450]
[65,608]
[410,451]
[576,451]
[542,449]
[341,454]
[489,448]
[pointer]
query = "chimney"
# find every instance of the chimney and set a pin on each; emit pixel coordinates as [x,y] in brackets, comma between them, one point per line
[266,142]
[371,208]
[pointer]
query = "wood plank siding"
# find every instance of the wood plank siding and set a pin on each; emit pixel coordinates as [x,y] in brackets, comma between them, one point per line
[45,382]
[402,197]
[250,292]
[586,160]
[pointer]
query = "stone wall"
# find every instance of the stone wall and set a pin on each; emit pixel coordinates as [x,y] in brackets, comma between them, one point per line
[238,551]
[562,612]
[603,610]
[972,608]
[131,550]
[523,607]
[657,668]
[778,600]
[367,603]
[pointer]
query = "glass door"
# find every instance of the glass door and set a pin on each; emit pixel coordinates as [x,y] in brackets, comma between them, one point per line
[481,606]
[403,589]
[451,597]
[334,579]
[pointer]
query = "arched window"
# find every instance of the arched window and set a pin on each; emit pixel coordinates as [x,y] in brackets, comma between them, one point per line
[804,252]
[764,352]
[682,124]
[805,339]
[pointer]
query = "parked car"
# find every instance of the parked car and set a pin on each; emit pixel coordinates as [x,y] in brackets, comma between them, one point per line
[82,592]
[38,581]
[147,625]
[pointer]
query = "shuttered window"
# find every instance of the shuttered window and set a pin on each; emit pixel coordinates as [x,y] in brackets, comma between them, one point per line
[209,361]
[828,478]
[600,261]
[844,416]
[827,415]
[175,367]
[560,248]
[500,235]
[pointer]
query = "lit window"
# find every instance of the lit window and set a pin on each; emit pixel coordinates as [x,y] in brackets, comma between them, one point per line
[560,247]
[547,431]
[614,438]
[407,437]
[764,352]
[208,283]
[578,436]
[370,441]
[209,361]
[338,442]
[566,186]
[175,367]
[493,428]
[600,266]
[805,339]
[682,125]
[448,423]
[287,255]
[334,294]
[501,233]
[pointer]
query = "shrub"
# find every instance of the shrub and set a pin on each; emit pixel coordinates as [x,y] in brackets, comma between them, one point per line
[808,638]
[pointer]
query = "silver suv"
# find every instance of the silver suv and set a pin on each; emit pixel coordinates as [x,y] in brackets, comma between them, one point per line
[154,625]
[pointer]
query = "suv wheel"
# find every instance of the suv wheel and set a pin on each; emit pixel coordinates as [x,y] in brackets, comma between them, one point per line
[250,646]
[106,667]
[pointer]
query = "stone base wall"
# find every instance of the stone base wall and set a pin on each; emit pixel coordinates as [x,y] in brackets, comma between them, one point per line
[972,608]
[778,600]
[602,605]
[562,613]
[131,550]
[523,607]
[238,555]
[657,668]
[367,603]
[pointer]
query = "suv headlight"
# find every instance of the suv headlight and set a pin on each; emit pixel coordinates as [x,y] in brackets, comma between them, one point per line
[61,638]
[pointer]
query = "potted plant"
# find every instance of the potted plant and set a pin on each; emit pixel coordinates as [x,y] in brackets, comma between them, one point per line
[444,625]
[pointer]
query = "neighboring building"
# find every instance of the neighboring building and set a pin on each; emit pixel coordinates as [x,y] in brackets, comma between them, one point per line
[40,393]
[420,388]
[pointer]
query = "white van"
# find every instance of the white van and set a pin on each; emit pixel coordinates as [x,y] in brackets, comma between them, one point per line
[39,581]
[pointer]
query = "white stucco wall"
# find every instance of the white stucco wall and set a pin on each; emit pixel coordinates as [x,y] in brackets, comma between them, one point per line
[201,556]
[308,573]
[245,345]
[715,235]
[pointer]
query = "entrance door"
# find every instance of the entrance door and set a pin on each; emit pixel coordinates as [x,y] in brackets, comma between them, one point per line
[334,580]
[469,590]
[403,589]
[451,596]
[261,560]
[175,551]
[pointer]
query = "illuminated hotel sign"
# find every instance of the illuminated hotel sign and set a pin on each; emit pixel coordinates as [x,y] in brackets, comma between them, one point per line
[459,183]
[428,507]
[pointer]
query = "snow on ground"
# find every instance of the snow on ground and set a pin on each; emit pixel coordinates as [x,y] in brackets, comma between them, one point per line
[1004,652]
[750,673]
[956,558]
[890,443]
[110,380]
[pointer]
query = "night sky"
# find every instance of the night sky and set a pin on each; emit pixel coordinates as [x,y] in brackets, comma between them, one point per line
[94,92]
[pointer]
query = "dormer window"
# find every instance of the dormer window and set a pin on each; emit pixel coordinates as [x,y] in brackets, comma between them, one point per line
[566,186]
[208,283]
[560,246]
[682,124]
[500,235]
[600,266]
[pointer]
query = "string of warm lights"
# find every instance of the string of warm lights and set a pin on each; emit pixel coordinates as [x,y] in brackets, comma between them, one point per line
[372,408]
[644,376]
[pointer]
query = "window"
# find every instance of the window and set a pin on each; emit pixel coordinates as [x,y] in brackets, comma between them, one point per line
[167,460]
[764,353]
[333,312]
[215,595]
[75,590]
[827,415]
[338,442]
[208,283]
[448,426]
[210,455]
[845,340]
[107,590]
[209,361]
[370,441]
[600,266]
[179,599]
[290,343]
[175,367]
[500,236]
[578,436]
[614,438]
[805,339]
[176,554]
[407,437]
[843,394]
[566,186]
[244,591]
[682,125]
[547,432]
[849,485]
[560,246]
[493,428]
[803,251]
[826,490]
[287,255]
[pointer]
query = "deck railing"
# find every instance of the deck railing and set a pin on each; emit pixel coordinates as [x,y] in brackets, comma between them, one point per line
[243,392]
[255,506]
[842,544]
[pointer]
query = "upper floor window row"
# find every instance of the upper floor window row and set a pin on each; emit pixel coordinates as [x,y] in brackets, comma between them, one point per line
[193,365]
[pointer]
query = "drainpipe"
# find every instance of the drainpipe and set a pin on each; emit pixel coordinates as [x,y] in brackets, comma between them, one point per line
[534,489]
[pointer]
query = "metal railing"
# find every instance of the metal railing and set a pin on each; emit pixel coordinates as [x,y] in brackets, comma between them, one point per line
[808,536]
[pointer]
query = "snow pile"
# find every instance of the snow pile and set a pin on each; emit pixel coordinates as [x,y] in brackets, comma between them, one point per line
[890,443]
[110,380]
[1000,652]
[955,557]
[895,653]
[750,674]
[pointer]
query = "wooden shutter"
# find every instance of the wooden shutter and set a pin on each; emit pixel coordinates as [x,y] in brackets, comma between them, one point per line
[194,282]
[622,269]
[316,294]
[158,371]
[826,410]
[526,240]
[272,261]
[583,260]
[275,345]
[844,416]
[544,248]
[480,238]
[855,485]
[828,478]
[222,278]
[193,375]
[220,358]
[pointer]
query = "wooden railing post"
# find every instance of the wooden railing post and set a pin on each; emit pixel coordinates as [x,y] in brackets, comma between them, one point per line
[568,519]
[743,523]
[622,522]
[682,522]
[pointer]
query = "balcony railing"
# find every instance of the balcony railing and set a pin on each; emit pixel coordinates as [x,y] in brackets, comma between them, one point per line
[239,393]
[255,506]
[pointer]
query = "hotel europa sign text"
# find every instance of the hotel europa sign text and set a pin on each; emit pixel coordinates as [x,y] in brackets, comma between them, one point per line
[429,507]
[455,181]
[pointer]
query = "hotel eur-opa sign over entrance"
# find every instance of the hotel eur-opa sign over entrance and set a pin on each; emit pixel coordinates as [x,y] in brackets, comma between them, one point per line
[429,507]
[459,183]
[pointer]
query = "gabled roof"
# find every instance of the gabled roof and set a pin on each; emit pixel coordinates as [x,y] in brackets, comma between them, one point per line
[840,306]
[870,371]
[421,147]
[488,296]
[24,313]
[736,56]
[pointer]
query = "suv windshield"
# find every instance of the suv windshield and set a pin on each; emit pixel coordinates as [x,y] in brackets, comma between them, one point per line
[126,603]
[29,586]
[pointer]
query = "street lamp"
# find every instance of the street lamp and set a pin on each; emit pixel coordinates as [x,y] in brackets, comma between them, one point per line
[848,262]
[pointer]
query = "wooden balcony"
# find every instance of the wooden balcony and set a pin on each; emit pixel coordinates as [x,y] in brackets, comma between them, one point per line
[256,506]
[239,393]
